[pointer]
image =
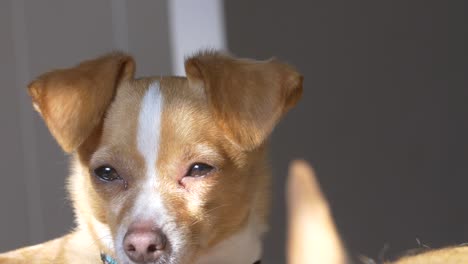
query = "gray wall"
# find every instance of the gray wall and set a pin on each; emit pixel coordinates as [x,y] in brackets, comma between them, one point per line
[383,117]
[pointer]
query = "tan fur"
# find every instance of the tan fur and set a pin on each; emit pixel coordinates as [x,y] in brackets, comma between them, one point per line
[230,191]
[221,115]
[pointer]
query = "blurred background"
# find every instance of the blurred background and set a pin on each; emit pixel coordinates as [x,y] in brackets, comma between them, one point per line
[383,117]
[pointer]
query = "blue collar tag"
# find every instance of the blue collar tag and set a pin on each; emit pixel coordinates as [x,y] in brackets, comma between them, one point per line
[106,259]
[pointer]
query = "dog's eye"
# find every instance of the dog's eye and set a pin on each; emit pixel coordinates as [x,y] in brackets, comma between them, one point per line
[106,173]
[199,169]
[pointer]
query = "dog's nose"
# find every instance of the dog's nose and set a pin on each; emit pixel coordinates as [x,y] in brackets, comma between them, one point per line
[144,242]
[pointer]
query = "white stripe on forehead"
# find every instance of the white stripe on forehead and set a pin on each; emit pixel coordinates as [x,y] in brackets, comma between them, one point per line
[149,126]
[148,134]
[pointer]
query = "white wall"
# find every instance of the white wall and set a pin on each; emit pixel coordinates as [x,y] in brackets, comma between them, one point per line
[195,25]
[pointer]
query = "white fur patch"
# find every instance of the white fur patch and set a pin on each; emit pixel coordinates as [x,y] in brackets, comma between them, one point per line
[244,246]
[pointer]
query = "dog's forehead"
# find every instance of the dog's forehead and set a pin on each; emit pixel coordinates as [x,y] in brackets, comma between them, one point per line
[178,108]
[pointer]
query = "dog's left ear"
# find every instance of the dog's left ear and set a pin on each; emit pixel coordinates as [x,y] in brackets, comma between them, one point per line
[247,97]
[73,101]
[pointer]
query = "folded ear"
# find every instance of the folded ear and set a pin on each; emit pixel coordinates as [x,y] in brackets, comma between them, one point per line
[247,97]
[73,101]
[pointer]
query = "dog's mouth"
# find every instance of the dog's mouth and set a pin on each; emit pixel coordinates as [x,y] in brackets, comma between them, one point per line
[154,257]
[147,254]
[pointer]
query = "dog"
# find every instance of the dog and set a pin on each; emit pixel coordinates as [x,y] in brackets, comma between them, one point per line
[164,169]
[313,237]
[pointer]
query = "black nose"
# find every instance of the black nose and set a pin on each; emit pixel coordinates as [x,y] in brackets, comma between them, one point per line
[144,243]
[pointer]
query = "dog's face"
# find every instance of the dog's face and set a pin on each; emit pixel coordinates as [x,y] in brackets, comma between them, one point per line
[167,167]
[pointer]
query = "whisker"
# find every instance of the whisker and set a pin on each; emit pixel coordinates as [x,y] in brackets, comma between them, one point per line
[209,211]
[99,239]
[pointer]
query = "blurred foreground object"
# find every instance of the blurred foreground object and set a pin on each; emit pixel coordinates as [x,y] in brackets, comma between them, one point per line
[312,236]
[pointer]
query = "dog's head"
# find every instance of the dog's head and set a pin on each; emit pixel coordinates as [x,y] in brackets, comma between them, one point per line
[167,167]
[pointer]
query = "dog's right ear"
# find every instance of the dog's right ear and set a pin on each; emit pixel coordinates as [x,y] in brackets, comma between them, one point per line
[73,101]
[247,98]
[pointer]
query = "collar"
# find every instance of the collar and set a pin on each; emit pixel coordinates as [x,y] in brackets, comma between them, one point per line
[106,259]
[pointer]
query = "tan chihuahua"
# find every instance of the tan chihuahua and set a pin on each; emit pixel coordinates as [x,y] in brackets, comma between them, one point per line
[165,169]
